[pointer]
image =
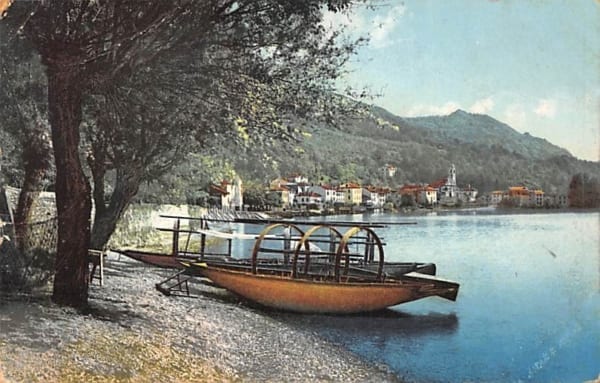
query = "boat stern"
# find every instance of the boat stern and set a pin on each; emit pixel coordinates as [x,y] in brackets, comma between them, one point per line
[434,286]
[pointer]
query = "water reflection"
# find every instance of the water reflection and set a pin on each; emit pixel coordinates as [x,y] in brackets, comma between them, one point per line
[380,323]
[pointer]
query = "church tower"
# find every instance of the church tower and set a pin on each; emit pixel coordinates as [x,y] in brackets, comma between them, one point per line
[451,176]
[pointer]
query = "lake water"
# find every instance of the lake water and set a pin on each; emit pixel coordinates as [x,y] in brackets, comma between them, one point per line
[528,309]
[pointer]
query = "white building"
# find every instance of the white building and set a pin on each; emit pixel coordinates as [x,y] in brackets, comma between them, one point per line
[227,196]
[329,194]
[389,171]
[468,194]
[309,200]
[427,196]
[374,197]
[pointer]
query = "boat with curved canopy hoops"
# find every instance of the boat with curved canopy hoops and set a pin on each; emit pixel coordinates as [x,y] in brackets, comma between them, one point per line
[331,281]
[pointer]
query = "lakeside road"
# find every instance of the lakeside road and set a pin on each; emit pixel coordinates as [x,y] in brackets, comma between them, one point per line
[133,333]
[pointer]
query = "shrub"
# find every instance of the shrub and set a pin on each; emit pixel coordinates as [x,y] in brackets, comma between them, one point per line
[24,272]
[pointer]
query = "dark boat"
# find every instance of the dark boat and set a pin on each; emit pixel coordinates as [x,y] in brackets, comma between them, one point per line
[169,261]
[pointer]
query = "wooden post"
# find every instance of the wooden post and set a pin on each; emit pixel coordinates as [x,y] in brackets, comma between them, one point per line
[202,246]
[332,247]
[367,247]
[96,259]
[287,244]
[176,238]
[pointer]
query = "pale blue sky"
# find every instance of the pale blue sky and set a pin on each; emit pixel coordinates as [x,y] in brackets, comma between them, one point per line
[534,64]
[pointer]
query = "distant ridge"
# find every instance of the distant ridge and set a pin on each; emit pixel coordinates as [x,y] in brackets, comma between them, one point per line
[488,154]
[481,129]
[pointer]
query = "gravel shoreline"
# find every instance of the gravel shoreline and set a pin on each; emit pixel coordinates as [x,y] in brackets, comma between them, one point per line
[135,334]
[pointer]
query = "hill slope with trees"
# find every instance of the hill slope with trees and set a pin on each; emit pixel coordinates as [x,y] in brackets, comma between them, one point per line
[487,153]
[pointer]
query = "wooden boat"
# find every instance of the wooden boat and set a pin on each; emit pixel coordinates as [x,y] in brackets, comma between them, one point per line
[333,289]
[170,261]
[325,295]
[167,261]
[362,264]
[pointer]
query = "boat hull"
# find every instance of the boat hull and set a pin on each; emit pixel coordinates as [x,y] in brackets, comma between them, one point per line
[392,269]
[314,296]
[154,259]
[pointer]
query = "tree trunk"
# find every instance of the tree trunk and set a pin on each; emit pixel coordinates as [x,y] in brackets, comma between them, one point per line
[105,222]
[72,188]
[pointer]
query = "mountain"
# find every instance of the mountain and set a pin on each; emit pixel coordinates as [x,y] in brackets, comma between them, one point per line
[483,130]
[488,154]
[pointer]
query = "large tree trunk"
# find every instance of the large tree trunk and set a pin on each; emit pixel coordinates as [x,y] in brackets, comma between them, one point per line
[72,189]
[106,218]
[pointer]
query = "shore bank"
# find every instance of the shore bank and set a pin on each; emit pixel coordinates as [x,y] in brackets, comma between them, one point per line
[133,333]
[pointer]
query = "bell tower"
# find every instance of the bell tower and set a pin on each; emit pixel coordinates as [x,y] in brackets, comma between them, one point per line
[452,176]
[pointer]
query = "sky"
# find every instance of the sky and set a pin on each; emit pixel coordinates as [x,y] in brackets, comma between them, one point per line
[533,64]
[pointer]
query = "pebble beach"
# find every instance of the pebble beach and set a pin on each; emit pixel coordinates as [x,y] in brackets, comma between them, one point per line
[133,333]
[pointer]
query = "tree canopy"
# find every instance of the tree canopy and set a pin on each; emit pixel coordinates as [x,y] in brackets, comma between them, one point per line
[147,79]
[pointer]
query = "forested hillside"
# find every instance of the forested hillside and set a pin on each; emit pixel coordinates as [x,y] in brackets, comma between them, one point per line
[487,153]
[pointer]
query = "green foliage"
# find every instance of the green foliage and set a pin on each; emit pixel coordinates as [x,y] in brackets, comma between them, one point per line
[255,195]
[274,199]
[188,181]
[25,133]
[24,271]
[584,191]
[408,200]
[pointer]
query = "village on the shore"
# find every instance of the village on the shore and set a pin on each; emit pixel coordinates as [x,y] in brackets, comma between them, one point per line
[297,195]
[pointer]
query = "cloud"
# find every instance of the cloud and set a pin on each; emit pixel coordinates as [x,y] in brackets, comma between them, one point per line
[433,110]
[546,108]
[515,116]
[353,24]
[383,26]
[482,106]
[363,23]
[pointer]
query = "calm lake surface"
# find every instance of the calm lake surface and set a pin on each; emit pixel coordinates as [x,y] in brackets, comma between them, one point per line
[528,309]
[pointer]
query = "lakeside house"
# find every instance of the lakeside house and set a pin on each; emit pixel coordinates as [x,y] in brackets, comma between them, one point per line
[389,170]
[428,196]
[521,196]
[374,197]
[280,194]
[329,194]
[289,188]
[227,194]
[309,200]
[352,193]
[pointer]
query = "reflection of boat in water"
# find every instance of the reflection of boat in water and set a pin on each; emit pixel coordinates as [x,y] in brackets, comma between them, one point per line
[345,273]
[384,324]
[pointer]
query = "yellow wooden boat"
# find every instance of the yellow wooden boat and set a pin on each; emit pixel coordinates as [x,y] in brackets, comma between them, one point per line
[323,295]
[333,289]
